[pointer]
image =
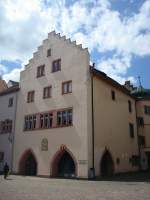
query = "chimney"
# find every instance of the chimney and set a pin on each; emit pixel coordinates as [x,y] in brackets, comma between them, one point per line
[128,86]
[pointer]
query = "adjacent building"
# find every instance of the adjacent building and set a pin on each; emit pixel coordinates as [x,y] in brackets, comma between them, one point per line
[8,102]
[143,121]
[72,120]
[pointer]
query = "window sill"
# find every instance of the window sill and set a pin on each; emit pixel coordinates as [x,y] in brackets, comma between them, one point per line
[40,129]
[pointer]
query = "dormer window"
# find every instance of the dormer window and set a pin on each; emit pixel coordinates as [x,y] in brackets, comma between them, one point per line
[48,52]
[56,65]
[40,71]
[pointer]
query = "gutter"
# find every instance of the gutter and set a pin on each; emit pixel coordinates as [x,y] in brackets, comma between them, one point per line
[13,135]
[139,150]
[93,128]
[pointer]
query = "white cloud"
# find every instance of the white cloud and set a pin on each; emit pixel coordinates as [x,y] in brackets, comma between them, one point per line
[24,24]
[3,69]
[13,75]
[117,68]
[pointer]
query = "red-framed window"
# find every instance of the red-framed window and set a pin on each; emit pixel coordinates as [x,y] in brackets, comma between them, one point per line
[65,117]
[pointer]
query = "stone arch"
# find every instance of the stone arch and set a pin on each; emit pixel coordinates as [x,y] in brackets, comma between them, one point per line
[107,166]
[57,159]
[28,164]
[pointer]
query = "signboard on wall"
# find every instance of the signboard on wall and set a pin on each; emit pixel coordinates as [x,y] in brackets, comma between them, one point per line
[44,144]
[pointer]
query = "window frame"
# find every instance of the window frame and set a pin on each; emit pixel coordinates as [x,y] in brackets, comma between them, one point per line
[131,130]
[6,126]
[113,95]
[30,96]
[68,84]
[2,156]
[10,102]
[64,119]
[40,71]
[146,109]
[56,65]
[47,92]
[130,106]
[49,53]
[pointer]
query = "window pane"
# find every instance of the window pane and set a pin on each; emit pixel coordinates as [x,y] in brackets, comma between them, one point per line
[59,118]
[64,117]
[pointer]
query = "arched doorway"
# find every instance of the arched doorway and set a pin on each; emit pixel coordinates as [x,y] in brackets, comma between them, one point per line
[28,164]
[64,165]
[107,164]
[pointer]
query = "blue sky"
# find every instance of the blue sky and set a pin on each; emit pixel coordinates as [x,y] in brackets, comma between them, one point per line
[117,33]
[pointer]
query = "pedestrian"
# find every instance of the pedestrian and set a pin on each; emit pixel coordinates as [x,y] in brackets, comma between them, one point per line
[6,170]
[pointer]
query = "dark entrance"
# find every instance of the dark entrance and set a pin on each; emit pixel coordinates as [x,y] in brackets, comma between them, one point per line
[107,165]
[28,165]
[66,166]
[148,160]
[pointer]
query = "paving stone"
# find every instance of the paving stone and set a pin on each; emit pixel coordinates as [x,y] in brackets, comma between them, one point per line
[35,188]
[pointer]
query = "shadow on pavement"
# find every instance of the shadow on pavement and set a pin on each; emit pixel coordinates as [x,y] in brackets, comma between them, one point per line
[128,177]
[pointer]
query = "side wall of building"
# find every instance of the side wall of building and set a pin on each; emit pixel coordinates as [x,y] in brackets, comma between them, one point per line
[112,118]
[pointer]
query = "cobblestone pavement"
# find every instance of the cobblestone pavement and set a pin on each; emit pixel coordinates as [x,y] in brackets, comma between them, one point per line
[34,188]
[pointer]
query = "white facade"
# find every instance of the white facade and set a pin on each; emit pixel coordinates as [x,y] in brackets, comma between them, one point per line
[74,67]
[7,112]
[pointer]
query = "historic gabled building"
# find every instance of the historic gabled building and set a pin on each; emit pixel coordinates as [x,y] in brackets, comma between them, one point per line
[72,120]
[8,102]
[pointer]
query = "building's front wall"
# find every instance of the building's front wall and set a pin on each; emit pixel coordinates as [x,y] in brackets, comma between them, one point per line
[75,67]
[112,118]
[6,139]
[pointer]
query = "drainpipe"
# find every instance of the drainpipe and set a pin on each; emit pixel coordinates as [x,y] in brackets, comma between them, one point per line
[13,134]
[93,128]
[139,150]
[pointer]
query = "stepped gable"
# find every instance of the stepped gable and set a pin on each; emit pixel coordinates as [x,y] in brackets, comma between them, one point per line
[53,33]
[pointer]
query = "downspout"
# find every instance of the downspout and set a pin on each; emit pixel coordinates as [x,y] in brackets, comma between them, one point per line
[13,136]
[139,151]
[93,128]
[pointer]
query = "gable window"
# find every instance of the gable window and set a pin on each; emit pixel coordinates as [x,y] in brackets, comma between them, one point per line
[48,52]
[40,71]
[131,130]
[10,102]
[47,92]
[113,96]
[147,110]
[56,65]
[64,118]
[130,106]
[30,96]
[66,87]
